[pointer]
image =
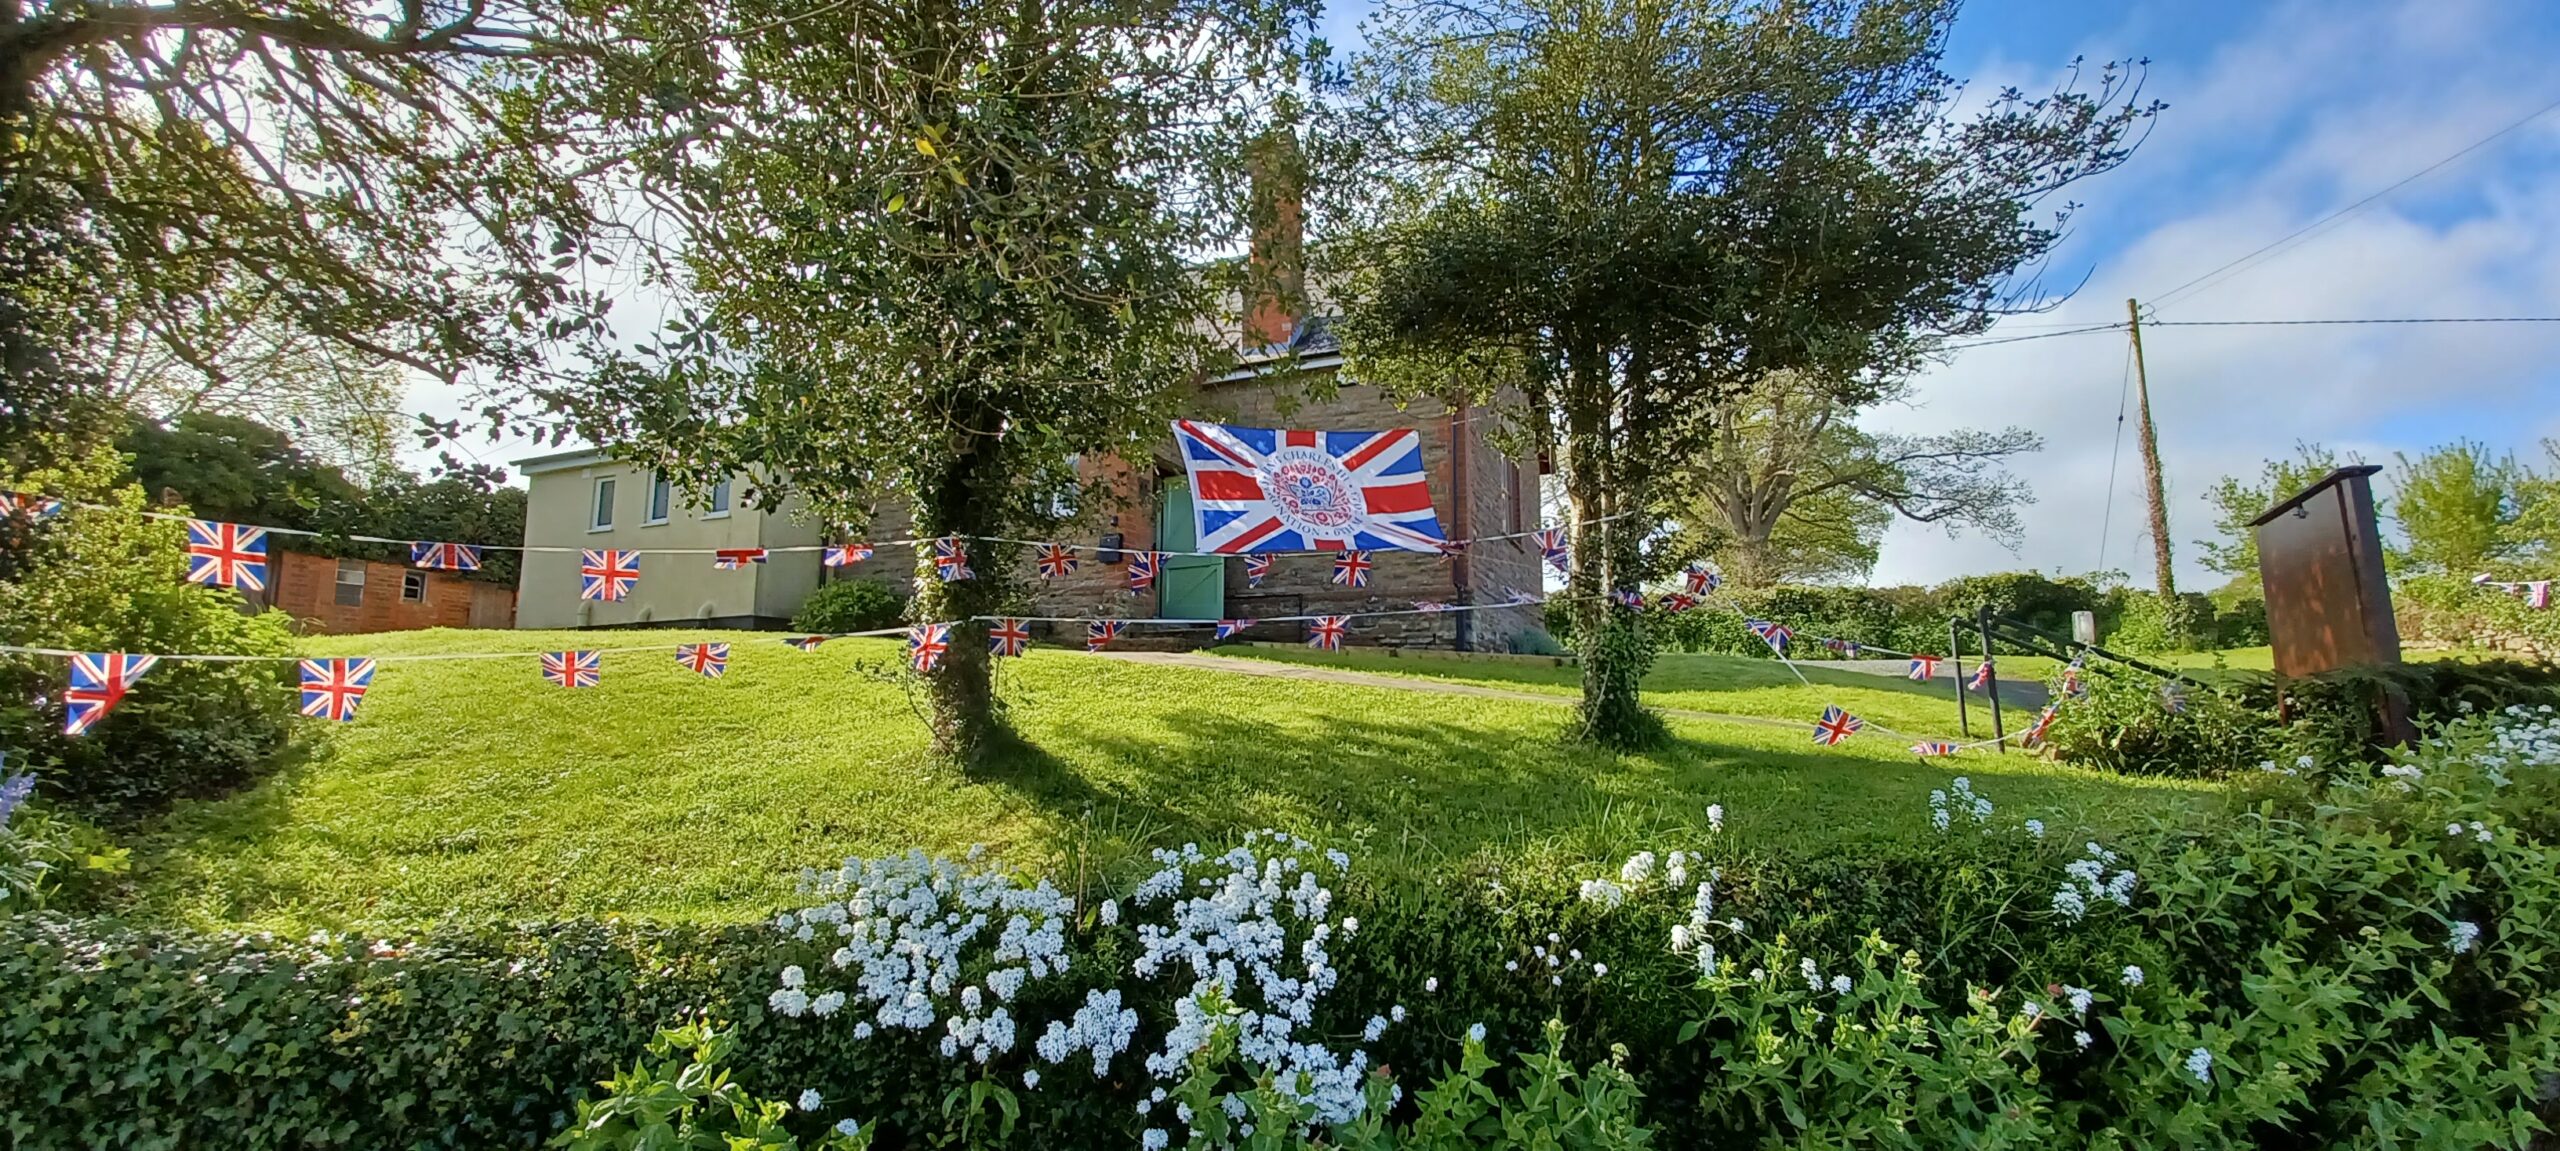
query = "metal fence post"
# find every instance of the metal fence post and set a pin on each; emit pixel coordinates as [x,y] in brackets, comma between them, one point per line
[1991,679]
[1955,656]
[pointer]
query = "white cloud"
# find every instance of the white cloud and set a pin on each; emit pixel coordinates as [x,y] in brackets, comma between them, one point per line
[2290,122]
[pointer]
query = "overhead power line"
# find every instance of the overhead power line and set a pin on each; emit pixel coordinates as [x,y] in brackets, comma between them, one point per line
[2095,328]
[2309,230]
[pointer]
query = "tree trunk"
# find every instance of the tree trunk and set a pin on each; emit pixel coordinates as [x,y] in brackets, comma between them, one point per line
[1609,638]
[960,694]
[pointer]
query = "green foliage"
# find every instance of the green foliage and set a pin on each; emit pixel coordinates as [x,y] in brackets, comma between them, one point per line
[110,580]
[51,859]
[1908,619]
[1552,1106]
[2123,725]
[2143,623]
[2456,506]
[2449,611]
[685,1099]
[850,605]
[2236,502]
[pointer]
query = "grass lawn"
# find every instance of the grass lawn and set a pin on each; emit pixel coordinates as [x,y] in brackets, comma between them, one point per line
[475,788]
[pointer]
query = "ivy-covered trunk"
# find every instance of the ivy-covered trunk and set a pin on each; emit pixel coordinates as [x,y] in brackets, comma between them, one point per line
[1608,636]
[960,694]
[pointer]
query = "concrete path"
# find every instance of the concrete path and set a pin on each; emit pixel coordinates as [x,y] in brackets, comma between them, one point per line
[1276,670]
[2028,693]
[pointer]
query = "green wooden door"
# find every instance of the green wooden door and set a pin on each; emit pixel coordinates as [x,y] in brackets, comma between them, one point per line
[1195,587]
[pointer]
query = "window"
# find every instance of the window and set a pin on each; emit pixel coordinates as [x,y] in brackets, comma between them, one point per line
[351,583]
[718,504]
[413,587]
[602,519]
[660,494]
[1516,501]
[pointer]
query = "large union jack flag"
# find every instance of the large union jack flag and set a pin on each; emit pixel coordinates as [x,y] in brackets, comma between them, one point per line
[573,668]
[227,555]
[951,560]
[1099,634]
[736,559]
[445,557]
[710,660]
[846,555]
[925,644]
[1289,489]
[331,688]
[99,680]
[1326,631]
[1351,568]
[1056,560]
[1837,724]
[1009,636]
[607,574]
[1256,569]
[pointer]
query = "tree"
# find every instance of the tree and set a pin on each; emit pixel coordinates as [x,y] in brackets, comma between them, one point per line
[1792,489]
[228,468]
[364,186]
[2456,507]
[933,251]
[1610,216]
[2236,502]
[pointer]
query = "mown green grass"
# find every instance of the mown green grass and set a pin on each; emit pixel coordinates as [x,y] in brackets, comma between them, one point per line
[476,789]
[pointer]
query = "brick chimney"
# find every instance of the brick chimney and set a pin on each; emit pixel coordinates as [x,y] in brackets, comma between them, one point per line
[1275,282]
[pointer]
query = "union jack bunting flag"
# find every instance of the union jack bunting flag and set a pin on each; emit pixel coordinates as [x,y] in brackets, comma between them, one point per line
[1930,747]
[2482,580]
[2073,686]
[1351,569]
[444,557]
[2537,594]
[1700,580]
[846,555]
[1847,647]
[1679,601]
[1287,489]
[1776,635]
[573,668]
[1837,724]
[1429,605]
[1981,677]
[1056,560]
[1099,634]
[1227,628]
[705,659]
[36,507]
[925,644]
[227,555]
[2035,731]
[2173,699]
[1143,567]
[951,560]
[1326,631]
[99,680]
[1923,667]
[805,642]
[1628,598]
[607,573]
[733,559]
[1452,549]
[1518,596]
[1551,545]
[1255,568]
[1009,636]
[331,688]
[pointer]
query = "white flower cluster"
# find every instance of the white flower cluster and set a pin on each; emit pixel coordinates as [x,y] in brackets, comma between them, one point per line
[1101,1027]
[1702,915]
[1715,817]
[1230,926]
[929,940]
[1637,870]
[2475,829]
[1944,807]
[2200,1065]
[2466,935]
[1603,892]
[2035,828]
[1555,956]
[2523,737]
[2086,880]
[2405,775]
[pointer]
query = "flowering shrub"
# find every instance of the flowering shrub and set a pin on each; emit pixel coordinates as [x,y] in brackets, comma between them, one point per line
[686,1099]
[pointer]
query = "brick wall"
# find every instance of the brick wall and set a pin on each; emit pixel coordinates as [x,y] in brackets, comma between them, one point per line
[306,588]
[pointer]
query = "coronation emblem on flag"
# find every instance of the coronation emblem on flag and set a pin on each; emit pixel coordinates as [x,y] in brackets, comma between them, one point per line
[1837,724]
[331,688]
[1981,677]
[951,560]
[1056,560]
[1351,568]
[1326,631]
[733,559]
[1227,628]
[99,680]
[573,668]
[1923,667]
[226,555]
[436,556]
[1930,747]
[1255,569]
[1099,634]
[607,574]
[1009,636]
[1143,568]
[925,644]
[1288,489]
[845,555]
[710,660]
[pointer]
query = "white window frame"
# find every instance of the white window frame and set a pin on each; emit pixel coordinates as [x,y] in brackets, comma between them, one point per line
[341,583]
[718,501]
[602,495]
[409,580]
[660,503]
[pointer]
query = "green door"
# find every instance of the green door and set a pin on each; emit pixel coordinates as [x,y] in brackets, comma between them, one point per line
[1195,587]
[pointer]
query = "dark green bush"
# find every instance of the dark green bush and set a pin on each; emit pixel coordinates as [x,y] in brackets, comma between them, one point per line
[850,605]
[2123,724]
[106,579]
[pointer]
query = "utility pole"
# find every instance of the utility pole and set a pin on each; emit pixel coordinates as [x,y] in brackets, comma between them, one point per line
[2161,572]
